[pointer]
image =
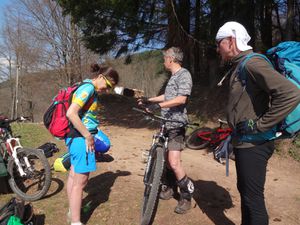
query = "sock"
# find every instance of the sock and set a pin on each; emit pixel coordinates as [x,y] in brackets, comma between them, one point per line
[77,223]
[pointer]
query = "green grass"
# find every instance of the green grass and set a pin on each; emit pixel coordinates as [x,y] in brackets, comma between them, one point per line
[34,134]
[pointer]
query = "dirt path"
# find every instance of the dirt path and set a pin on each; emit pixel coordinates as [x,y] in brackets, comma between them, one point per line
[115,190]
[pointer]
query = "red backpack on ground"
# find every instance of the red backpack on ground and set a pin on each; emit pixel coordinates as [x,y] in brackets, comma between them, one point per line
[55,118]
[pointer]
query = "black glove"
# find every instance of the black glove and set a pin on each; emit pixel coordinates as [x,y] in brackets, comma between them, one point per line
[144,100]
[153,107]
[246,127]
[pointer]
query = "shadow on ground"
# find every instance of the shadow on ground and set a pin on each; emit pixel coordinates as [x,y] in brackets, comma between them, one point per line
[98,189]
[213,200]
[60,187]
[39,219]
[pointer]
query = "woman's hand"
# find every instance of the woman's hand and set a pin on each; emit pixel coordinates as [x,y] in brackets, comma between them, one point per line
[89,141]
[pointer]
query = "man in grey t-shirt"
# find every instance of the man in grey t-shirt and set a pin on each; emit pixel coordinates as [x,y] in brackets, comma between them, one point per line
[173,107]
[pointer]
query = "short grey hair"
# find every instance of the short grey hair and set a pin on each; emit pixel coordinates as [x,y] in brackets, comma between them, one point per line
[175,53]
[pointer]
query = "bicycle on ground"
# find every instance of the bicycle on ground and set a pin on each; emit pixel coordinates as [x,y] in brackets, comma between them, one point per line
[211,138]
[28,170]
[155,167]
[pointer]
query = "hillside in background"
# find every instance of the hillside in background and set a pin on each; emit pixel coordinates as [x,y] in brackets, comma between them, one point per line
[142,71]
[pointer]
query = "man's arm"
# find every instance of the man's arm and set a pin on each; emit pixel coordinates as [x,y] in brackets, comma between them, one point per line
[179,100]
[157,99]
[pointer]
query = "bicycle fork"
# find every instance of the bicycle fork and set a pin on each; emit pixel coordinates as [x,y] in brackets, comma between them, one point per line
[155,143]
[14,147]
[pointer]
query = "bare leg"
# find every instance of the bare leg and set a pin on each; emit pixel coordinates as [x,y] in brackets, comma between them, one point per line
[75,193]
[174,159]
[184,183]
[70,182]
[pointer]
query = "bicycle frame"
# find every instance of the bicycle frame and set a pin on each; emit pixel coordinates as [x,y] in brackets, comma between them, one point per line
[158,139]
[12,144]
[215,136]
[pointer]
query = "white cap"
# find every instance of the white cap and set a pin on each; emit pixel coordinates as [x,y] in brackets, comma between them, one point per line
[236,30]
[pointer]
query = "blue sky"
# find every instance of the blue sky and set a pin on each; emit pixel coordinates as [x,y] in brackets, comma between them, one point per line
[3,3]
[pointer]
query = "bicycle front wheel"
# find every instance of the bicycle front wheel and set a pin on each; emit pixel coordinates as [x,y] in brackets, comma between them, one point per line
[152,185]
[199,138]
[35,184]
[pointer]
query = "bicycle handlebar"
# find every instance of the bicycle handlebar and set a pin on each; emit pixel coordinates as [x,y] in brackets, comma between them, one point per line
[162,119]
[18,119]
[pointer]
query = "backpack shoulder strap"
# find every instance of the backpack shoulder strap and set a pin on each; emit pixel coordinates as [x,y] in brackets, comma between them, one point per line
[73,132]
[91,99]
[242,73]
[79,85]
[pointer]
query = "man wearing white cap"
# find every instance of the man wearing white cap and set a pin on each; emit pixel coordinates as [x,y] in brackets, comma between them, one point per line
[253,113]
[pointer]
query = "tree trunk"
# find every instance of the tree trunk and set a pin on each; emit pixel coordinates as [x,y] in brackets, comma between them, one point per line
[290,20]
[179,28]
[245,14]
[266,23]
[196,61]
[278,22]
[172,28]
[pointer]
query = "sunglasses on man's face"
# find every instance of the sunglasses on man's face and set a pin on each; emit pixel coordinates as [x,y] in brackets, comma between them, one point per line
[218,42]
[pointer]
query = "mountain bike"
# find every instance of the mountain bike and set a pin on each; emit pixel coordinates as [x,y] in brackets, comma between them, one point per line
[154,168]
[216,139]
[29,173]
[212,138]
[204,137]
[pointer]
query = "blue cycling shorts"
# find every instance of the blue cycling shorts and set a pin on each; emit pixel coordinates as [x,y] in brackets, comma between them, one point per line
[82,161]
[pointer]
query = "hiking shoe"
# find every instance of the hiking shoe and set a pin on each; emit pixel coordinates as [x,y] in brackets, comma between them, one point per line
[183,206]
[166,193]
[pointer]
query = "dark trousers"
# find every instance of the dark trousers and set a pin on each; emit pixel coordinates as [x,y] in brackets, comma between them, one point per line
[251,166]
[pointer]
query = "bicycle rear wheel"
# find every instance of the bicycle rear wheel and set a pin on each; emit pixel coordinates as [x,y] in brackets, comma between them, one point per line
[35,184]
[152,185]
[194,140]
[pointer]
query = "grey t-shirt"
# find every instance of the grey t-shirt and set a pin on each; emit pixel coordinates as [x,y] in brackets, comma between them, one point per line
[180,84]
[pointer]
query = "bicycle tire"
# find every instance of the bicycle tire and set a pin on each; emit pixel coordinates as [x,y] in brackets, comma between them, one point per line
[40,170]
[196,143]
[150,200]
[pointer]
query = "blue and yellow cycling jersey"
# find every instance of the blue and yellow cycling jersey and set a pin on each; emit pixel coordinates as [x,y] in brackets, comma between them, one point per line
[81,96]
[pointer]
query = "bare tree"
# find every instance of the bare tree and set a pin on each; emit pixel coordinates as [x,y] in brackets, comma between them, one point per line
[63,52]
[19,51]
[38,37]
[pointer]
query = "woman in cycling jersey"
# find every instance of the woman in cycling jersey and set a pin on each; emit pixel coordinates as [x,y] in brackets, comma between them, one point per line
[82,114]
